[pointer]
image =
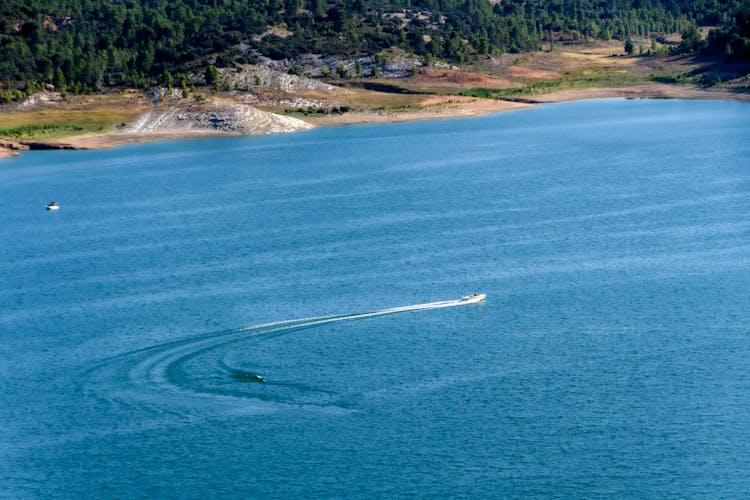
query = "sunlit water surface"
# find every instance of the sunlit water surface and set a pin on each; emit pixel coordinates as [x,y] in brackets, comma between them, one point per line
[146,349]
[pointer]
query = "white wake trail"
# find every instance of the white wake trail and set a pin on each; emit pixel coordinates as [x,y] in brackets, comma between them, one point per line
[150,372]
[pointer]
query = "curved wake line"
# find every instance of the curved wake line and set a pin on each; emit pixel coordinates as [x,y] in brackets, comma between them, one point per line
[159,366]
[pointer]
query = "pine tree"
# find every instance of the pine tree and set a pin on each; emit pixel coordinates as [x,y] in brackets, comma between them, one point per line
[629,47]
[212,76]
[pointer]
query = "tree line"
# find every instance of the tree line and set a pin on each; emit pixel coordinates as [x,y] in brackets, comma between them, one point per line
[85,45]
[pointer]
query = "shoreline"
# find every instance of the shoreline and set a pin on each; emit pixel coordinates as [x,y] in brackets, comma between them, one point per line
[432,108]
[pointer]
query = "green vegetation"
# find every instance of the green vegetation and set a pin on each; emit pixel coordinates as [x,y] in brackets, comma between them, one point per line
[533,88]
[80,46]
[314,110]
[733,41]
[212,76]
[703,77]
[45,131]
[629,47]
[664,78]
[27,131]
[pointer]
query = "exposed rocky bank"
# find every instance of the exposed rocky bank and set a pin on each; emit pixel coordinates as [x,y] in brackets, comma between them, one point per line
[214,116]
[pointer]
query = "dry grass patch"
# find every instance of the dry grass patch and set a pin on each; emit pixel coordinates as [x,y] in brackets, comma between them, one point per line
[532,74]
[80,115]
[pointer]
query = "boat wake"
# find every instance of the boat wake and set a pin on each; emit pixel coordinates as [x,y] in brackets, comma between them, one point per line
[170,371]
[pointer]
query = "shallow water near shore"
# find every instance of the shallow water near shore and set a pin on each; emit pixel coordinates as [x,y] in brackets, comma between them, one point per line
[207,317]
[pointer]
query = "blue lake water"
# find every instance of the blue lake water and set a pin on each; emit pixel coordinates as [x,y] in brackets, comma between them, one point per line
[612,355]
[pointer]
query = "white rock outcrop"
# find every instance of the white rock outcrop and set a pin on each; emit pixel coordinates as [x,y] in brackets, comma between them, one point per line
[218,116]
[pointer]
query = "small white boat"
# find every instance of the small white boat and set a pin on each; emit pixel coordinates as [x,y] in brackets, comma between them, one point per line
[473,298]
[52,205]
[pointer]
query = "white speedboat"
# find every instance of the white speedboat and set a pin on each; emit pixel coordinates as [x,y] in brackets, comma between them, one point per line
[473,298]
[52,205]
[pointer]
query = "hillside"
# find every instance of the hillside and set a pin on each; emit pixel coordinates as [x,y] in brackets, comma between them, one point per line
[81,46]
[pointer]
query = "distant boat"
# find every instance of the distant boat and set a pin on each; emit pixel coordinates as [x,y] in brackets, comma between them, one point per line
[473,298]
[52,205]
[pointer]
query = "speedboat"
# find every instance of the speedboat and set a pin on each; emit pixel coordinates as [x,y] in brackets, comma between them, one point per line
[52,205]
[473,298]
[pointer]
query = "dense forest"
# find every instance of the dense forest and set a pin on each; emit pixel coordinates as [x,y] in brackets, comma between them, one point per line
[89,44]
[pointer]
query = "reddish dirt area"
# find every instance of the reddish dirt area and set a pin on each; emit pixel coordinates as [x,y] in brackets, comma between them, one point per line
[431,76]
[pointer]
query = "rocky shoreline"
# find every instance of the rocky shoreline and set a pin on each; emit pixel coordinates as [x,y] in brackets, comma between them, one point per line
[216,115]
[310,91]
[225,117]
[14,148]
[173,121]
